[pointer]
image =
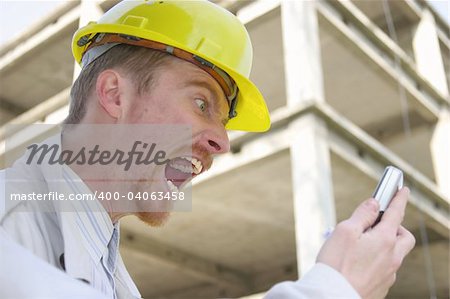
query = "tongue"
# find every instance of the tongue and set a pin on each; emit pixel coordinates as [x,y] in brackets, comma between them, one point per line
[176,176]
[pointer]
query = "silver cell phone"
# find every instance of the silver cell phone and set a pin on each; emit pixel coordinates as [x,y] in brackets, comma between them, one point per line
[389,184]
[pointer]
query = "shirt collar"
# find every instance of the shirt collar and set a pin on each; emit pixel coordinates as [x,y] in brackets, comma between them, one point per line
[85,220]
[87,229]
[90,218]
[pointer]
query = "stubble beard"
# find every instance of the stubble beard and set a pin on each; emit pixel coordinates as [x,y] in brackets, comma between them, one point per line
[154,219]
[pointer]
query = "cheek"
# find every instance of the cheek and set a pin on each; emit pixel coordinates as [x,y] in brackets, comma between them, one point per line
[147,111]
[173,111]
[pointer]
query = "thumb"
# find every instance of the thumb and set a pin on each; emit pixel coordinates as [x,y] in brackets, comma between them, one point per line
[365,214]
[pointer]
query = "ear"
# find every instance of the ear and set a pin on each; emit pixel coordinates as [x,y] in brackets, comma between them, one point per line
[108,90]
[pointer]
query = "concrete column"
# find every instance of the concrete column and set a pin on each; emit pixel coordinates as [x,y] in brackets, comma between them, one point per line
[314,210]
[429,63]
[428,53]
[303,67]
[90,11]
[440,149]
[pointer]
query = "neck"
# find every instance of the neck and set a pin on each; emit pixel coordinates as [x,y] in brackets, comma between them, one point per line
[92,175]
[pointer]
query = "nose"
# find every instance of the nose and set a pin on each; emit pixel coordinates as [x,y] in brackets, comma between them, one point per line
[216,141]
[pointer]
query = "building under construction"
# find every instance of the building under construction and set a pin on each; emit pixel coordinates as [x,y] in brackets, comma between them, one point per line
[352,86]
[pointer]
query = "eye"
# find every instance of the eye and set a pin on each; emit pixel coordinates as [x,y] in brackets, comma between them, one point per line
[201,104]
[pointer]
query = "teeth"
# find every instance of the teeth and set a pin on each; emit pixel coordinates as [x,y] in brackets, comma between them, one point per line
[187,158]
[172,187]
[197,166]
[182,168]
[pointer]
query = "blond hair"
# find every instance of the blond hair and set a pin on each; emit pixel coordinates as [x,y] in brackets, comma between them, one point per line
[138,62]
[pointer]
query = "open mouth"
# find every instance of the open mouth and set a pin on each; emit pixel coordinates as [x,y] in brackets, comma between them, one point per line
[179,171]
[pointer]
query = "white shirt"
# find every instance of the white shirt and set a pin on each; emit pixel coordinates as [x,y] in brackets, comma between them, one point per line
[77,237]
[84,243]
[41,281]
[321,282]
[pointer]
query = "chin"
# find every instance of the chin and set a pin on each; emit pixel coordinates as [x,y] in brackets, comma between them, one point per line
[154,219]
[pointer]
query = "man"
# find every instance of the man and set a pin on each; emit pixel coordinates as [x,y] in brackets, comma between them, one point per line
[184,63]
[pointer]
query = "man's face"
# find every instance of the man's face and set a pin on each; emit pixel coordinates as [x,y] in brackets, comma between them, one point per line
[182,94]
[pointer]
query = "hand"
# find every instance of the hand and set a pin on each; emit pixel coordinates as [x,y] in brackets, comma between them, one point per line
[370,257]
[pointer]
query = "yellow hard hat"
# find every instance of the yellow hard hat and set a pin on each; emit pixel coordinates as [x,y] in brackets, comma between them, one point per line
[197,31]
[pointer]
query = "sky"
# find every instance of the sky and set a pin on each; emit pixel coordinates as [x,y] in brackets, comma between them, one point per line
[17,15]
[442,7]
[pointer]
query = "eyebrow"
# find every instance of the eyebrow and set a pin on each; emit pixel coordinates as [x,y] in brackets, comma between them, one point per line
[206,85]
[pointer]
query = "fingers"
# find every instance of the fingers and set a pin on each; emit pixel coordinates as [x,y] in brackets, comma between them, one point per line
[364,215]
[405,242]
[393,216]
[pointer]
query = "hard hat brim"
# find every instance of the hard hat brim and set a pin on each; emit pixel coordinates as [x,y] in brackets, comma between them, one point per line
[252,113]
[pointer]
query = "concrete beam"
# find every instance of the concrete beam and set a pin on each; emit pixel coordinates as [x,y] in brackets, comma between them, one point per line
[256,9]
[356,141]
[436,215]
[35,114]
[38,40]
[422,101]
[11,108]
[52,18]
[261,282]
[232,5]
[250,150]
[188,263]
[356,146]
[266,280]
[393,126]
[375,41]
[14,147]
